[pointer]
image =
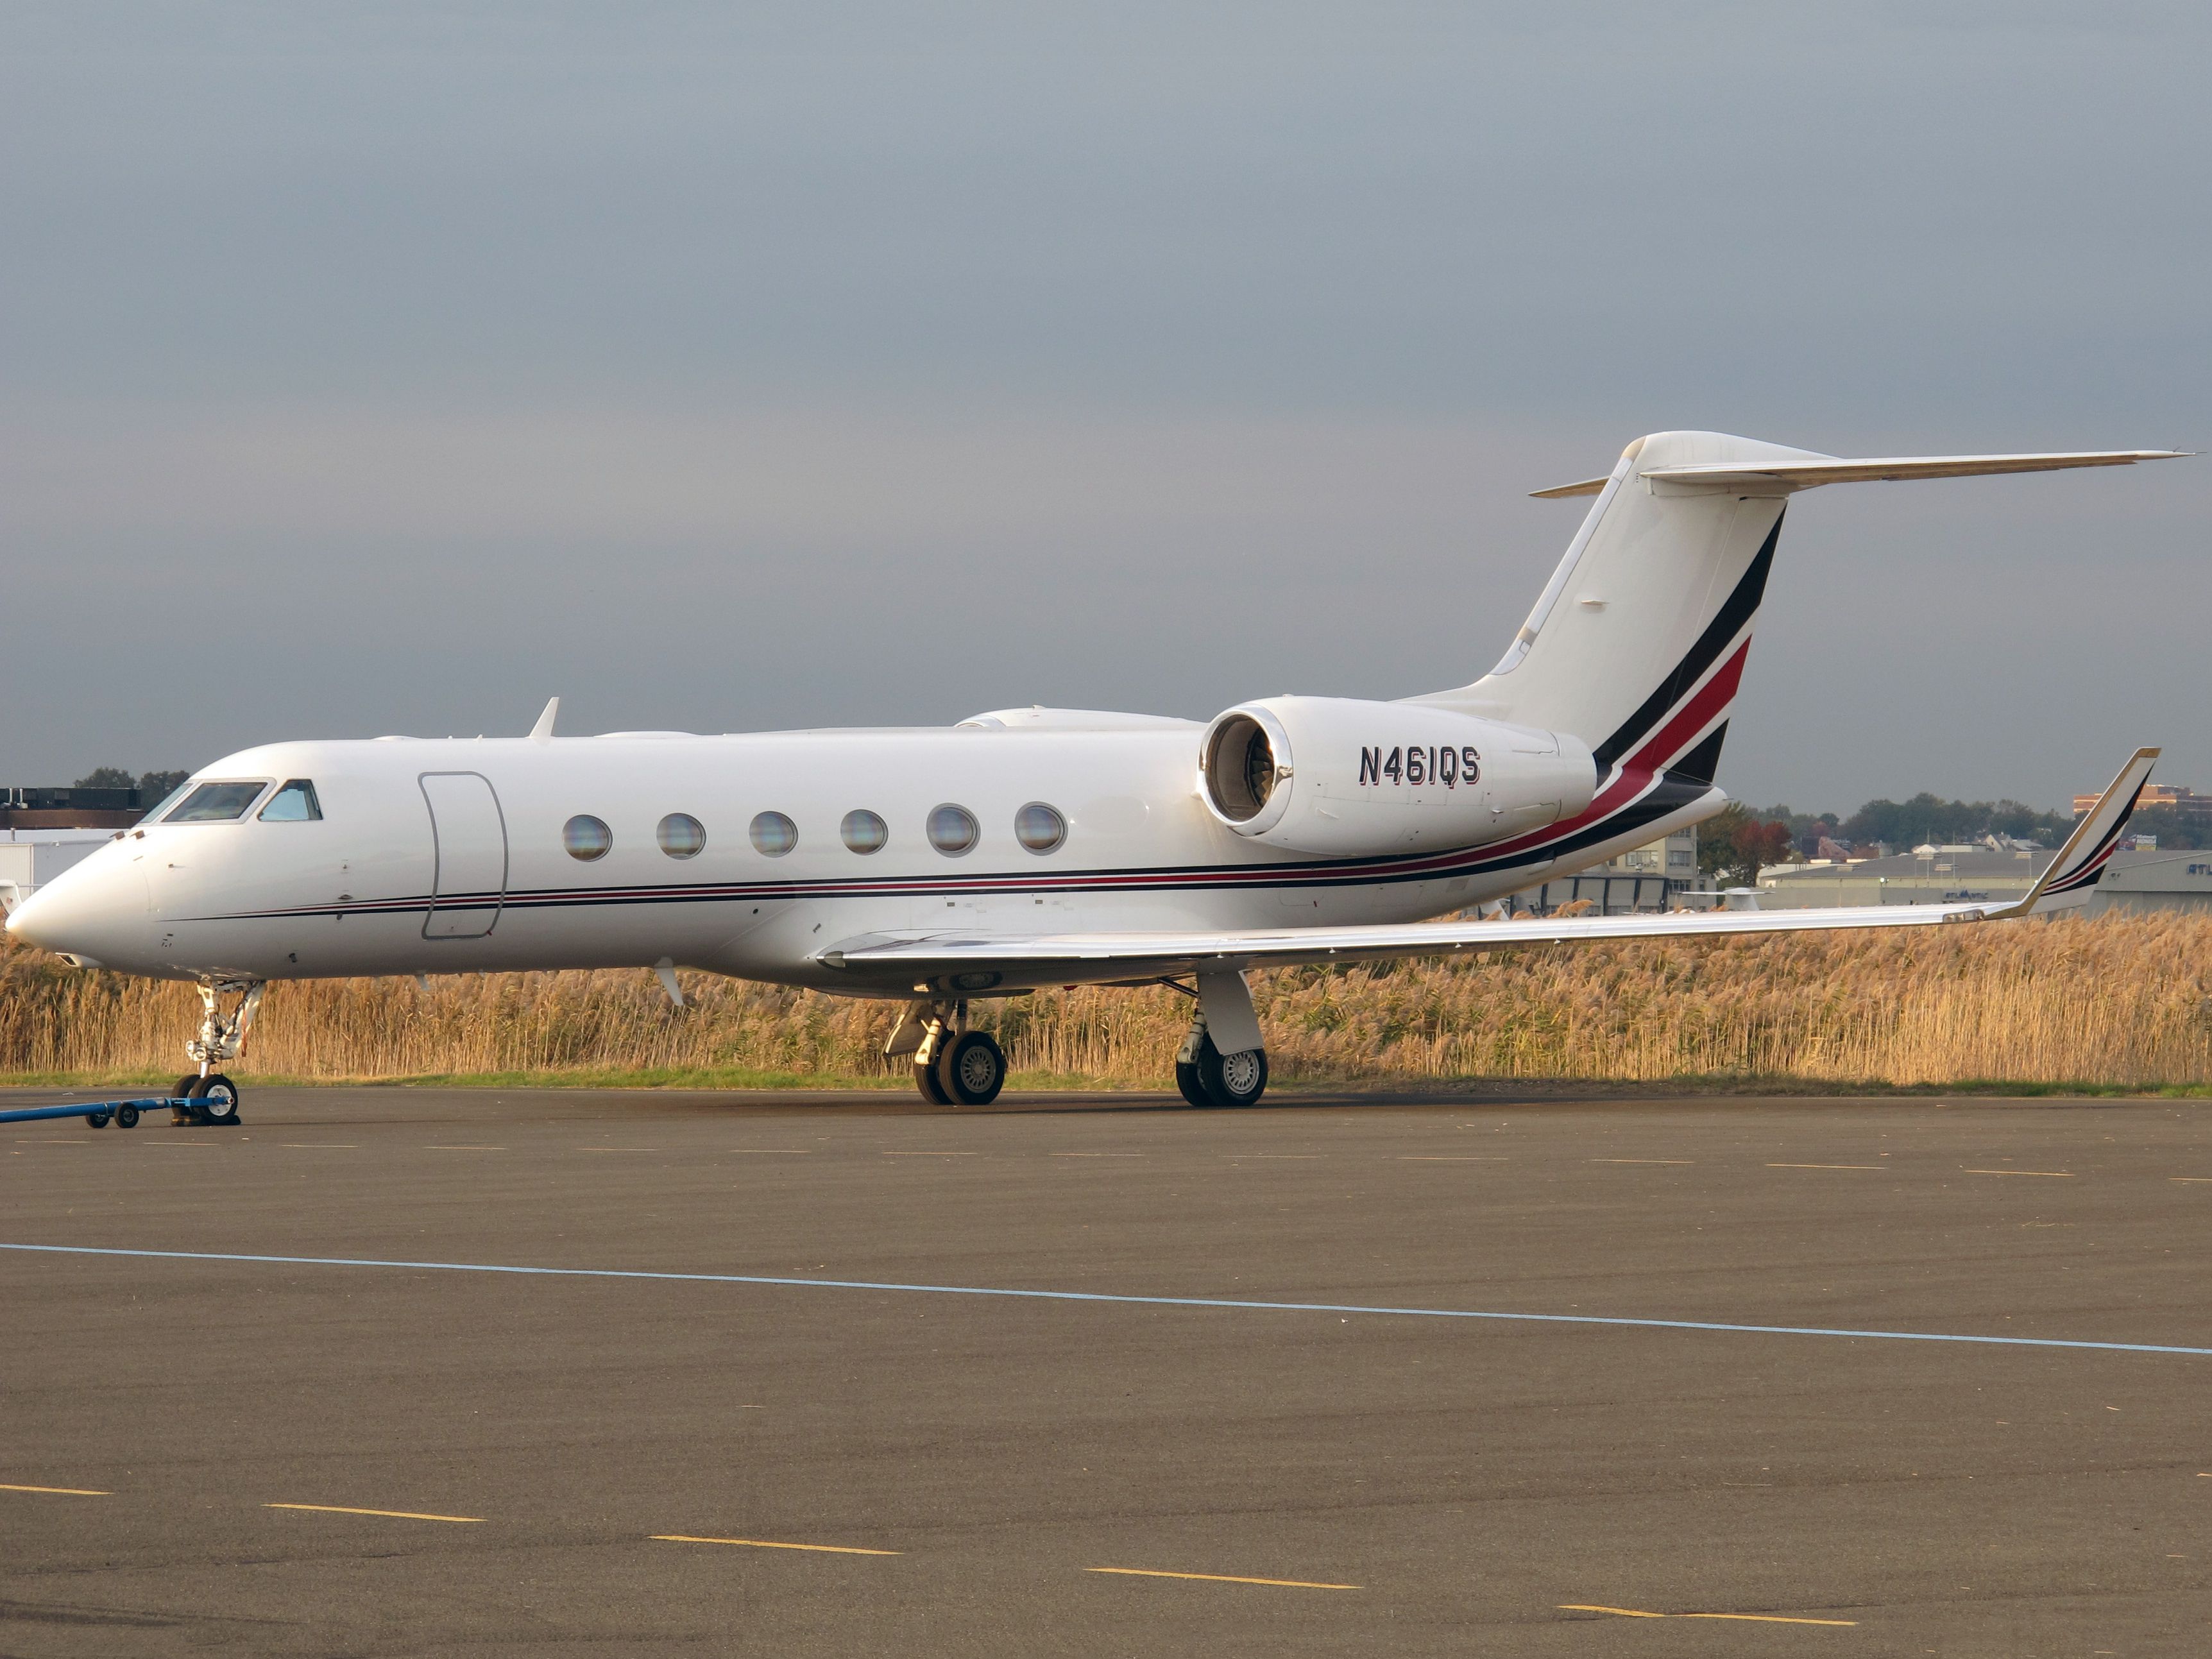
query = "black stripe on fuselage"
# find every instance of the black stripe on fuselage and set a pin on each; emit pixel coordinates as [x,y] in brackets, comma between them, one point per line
[1668,794]
[1742,605]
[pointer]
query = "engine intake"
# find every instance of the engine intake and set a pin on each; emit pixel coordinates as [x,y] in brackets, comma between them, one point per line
[1243,767]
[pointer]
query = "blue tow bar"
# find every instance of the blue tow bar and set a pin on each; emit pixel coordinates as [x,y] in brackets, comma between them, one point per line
[98,1112]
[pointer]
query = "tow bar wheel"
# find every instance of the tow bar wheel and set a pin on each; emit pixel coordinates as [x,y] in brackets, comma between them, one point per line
[215,1099]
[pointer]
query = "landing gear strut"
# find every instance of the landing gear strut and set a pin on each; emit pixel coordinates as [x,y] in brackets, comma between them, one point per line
[221,1037]
[952,1065]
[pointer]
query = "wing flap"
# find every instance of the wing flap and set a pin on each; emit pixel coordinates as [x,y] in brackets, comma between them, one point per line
[927,959]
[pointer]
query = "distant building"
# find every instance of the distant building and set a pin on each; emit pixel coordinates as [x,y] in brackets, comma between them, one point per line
[27,807]
[2195,810]
[1927,875]
[2133,881]
[31,857]
[1652,877]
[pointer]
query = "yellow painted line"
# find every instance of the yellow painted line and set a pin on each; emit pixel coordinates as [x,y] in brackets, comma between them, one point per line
[464,1149]
[390,1515]
[1746,1618]
[1644,1160]
[317,1145]
[929,1154]
[618,1149]
[62,1491]
[1618,1612]
[800,1152]
[1824,1166]
[1452,1158]
[2063,1175]
[768,1544]
[1054,1154]
[2191,1179]
[1222,1578]
[1292,1155]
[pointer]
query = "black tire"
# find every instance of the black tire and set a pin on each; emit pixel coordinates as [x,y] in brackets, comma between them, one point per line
[186,1113]
[95,1120]
[972,1069]
[1189,1086]
[126,1117]
[216,1099]
[1237,1079]
[925,1078]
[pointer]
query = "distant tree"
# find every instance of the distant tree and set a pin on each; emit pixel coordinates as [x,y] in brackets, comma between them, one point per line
[1927,818]
[2169,826]
[1758,844]
[106,777]
[1734,842]
[1716,853]
[152,785]
[1806,828]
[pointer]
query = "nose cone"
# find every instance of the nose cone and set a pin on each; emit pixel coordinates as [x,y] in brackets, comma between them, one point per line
[95,914]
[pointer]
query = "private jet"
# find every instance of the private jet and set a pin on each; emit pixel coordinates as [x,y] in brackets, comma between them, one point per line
[1030,847]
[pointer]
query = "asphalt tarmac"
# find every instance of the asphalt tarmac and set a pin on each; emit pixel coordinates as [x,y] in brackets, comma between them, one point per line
[376,1445]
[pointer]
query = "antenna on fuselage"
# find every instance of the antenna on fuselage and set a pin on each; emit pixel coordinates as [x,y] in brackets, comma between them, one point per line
[543,732]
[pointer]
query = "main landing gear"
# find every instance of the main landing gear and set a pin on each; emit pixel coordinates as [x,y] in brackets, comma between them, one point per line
[209,1096]
[1229,1069]
[1210,1078]
[952,1065]
[1222,1062]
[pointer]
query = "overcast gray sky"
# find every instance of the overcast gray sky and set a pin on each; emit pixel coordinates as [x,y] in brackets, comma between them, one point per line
[392,368]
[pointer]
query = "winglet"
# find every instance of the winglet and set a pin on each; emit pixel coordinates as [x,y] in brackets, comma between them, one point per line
[543,732]
[2081,863]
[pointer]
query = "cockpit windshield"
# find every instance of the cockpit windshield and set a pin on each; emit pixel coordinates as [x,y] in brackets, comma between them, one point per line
[216,803]
[295,803]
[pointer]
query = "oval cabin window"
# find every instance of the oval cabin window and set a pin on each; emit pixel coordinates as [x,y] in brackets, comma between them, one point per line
[952,829]
[864,832]
[681,835]
[773,835]
[586,838]
[1040,828]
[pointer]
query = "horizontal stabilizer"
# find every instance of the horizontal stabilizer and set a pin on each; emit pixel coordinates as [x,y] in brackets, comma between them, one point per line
[1560,492]
[1805,475]
[1784,476]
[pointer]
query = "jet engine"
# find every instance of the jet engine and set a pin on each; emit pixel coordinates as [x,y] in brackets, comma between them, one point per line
[1336,775]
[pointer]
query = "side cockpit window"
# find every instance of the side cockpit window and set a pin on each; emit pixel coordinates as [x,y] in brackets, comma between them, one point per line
[295,803]
[215,803]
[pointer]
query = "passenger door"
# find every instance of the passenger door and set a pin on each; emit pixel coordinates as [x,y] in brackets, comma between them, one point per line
[469,834]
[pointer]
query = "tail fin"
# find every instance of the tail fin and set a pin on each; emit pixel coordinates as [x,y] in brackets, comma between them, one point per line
[2072,877]
[1639,638]
[1638,641]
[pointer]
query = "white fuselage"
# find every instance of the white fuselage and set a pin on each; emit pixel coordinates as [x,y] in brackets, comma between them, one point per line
[378,885]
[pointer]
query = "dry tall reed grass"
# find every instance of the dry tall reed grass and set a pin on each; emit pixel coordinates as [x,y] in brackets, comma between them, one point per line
[2121,1001]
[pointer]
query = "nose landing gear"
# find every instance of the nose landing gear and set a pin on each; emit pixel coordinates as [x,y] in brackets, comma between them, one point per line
[212,1097]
